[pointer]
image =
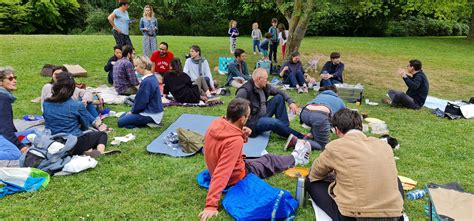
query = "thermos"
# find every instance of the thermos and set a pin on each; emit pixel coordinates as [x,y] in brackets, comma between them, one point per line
[300,192]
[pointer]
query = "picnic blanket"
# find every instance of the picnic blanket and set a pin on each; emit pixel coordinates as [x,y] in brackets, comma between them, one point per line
[255,147]
[434,102]
[170,103]
[22,180]
[108,94]
[22,125]
[450,202]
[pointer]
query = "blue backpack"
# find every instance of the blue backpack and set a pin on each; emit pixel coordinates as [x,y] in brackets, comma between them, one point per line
[224,64]
[253,199]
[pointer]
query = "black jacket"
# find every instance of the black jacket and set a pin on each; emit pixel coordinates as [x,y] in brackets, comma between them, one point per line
[7,129]
[249,92]
[418,87]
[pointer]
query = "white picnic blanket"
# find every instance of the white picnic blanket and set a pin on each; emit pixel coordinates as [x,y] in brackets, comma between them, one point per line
[109,94]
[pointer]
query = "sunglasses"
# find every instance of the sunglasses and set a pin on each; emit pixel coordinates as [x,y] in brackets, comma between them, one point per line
[11,78]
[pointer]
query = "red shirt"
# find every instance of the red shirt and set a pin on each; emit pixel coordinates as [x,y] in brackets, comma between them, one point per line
[162,64]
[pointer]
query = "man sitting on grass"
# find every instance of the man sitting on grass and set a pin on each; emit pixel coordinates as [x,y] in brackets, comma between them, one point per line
[355,177]
[257,90]
[238,70]
[125,80]
[223,145]
[417,84]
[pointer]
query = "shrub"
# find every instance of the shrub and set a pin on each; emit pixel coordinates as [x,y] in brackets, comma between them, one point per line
[97,22]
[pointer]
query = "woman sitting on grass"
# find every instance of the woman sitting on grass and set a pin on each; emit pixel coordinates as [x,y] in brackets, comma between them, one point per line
[79,94]
[62,114]
[10,146]
[179,84]
[148,109]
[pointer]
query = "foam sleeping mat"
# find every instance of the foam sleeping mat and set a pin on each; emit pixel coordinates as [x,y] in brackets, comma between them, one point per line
[255,147]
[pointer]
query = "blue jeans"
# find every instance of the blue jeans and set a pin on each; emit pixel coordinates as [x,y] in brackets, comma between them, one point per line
[134,120]
[294,79]
[280,124]
[8,151]
[320,127]
[329,82]
[92,110]
[256,44]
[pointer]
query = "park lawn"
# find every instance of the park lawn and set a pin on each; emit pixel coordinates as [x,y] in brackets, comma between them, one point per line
[136,184]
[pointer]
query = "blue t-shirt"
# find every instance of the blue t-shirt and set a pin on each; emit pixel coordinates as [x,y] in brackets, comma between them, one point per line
[122,21]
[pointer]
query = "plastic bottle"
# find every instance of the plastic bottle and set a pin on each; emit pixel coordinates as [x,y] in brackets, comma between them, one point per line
[416,194]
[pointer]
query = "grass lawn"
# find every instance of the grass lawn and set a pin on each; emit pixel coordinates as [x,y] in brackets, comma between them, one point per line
[136,184]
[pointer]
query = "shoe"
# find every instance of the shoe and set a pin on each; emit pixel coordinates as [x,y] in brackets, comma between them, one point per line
[111,152]
[302,152]
[212,98]
[290,142]
[300,90]
[254,53]
[386,101]
[305,89]
[153,125]
[93,153]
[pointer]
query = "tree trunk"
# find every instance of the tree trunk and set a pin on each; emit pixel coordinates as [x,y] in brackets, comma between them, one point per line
[298,21]
[471,26]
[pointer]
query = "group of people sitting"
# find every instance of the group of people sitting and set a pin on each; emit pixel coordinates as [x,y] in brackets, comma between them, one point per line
[344,190]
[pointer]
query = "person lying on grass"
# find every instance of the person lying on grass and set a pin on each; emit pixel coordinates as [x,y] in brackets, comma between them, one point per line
[147,109]
[79,94]
[418,87]
[223,145]
[355,177]
[62,114]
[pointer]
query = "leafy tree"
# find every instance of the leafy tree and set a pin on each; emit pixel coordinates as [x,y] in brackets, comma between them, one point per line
[471,26]
[14,17]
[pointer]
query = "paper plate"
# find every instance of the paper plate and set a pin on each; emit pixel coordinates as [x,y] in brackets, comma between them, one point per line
[373,120]
[297,172]
[407,183]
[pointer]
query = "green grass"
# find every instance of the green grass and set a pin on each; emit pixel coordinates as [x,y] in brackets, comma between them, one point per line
[136,184]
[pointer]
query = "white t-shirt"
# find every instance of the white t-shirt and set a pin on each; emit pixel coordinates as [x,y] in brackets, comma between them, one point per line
[283,41]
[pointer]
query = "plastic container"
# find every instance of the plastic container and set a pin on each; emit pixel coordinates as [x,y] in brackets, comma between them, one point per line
[300,193]
[416,194]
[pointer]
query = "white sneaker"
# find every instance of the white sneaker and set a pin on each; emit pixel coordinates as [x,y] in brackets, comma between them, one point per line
[302,152]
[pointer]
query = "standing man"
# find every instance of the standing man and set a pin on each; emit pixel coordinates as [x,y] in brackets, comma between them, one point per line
[257,91]
[223,145]
[161,59]
[120,24]
[238,70]
[417,84]
[331,73]
[355,177]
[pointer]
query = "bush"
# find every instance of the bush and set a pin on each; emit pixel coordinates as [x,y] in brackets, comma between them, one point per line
[97,22]
[396,28]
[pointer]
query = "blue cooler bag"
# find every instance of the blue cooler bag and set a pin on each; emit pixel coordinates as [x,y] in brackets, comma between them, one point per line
[253,199]
[267,65]
[224,64]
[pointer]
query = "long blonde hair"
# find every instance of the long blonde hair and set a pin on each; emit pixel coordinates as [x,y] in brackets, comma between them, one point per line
[152,14]
[232,22]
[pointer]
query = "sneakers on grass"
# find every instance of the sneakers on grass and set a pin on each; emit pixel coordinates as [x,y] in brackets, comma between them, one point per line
[302,152]
[290,142]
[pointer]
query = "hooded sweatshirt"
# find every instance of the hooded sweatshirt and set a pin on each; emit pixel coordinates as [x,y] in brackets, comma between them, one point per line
[223,155]
[7,128]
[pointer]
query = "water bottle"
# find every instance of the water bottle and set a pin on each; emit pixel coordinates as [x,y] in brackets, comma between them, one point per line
[300,192]
[416,194]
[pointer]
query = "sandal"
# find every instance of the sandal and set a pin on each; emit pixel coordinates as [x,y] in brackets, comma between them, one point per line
[104,128]
[112,152]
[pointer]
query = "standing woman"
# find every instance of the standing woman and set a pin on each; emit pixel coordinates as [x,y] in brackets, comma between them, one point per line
[120,23]
[10,146]
[149,27]
[282,37]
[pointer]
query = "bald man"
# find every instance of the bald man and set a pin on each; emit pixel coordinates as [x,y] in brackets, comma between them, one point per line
[257,91]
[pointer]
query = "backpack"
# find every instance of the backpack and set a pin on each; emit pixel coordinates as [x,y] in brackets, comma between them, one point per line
[267,65]
[190,141]
[224,64]
[44,153]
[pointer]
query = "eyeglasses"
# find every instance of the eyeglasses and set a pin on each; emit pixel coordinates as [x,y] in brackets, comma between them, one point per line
[11,78]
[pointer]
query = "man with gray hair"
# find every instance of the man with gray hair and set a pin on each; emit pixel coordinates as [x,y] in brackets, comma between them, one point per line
[257,91]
